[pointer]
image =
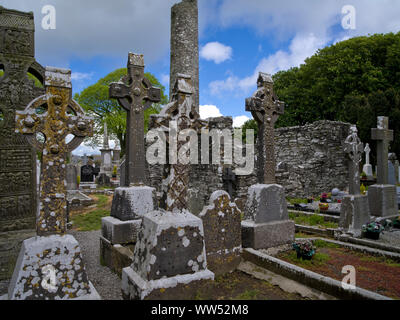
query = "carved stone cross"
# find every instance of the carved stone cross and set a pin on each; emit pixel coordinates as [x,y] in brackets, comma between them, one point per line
[383,136]
[55,115]
[229,177]
[132,90]
[367,151]
[266,109]
[354,148]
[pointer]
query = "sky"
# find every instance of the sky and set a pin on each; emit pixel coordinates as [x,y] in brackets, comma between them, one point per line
[237,39]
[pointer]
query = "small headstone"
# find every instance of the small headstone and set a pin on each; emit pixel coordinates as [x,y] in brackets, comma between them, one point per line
[367,168]
[87,173]
[222,233]
[72,177]
[169,254]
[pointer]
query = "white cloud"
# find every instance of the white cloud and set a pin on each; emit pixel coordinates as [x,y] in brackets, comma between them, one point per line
[215,51]
[301,47]
[79,76]
[209,111]
[239,121]
[165,79]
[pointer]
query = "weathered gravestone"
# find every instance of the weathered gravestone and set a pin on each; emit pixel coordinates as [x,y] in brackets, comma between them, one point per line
[266,221]
[132,202]
[17,157]
[50,266]
[354,210]
[75,198]
[367,168]
[170,254]
[106,155]
[382,196]
[229,179]
[222,233]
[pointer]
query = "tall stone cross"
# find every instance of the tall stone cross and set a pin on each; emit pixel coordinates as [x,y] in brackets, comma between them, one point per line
[266,109]
[383,136]
[131,91]
[17,89]
[354,148]
[55,115]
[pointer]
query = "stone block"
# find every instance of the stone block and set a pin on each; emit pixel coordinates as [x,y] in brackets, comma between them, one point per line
[50,268]
[267,235]
[120,232]
[170,250]
[222,233]
[266,203]
[354,213]
[382,200]
[133,203]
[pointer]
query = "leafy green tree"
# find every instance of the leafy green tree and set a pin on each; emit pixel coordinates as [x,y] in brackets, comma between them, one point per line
[353,81]
[95,101]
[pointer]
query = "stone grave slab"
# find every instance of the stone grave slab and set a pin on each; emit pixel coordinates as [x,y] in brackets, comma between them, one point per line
[222,233]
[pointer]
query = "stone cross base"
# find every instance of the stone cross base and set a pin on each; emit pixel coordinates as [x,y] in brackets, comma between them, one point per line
[354,213]
[170,252]
[51,268]
[267,235]
[368,170]
[132,203]
[382,200]
[117,243]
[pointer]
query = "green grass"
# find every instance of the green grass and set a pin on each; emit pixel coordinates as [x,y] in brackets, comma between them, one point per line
[323,244]
[248,295]
[91,220]
[312,220]
[294,201]
[317,260]
[303,235]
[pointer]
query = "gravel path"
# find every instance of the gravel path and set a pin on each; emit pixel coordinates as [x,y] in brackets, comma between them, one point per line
[107,284]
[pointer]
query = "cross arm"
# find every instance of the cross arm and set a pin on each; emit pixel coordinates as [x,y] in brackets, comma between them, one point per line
[120,91]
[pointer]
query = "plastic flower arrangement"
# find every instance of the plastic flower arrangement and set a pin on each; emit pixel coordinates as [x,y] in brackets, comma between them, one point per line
[373,226]
[304,249]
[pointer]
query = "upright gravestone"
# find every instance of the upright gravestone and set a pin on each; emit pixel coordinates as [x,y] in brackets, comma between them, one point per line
[72,177]
[354,209]
[367,168]
[222,233]
[382,196]
[170,254]
[87,177]
[229,179]
[17,157]
[135,94]
[50,266]
[106,154]
[185,45]
[266,221]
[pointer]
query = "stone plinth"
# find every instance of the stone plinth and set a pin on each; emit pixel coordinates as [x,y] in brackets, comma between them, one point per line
[267,235]
[120,232]
[354,213]
[367,168]
[51,268]
[267,221]
[222,233]
[133,202]
[382,200]
[170,252]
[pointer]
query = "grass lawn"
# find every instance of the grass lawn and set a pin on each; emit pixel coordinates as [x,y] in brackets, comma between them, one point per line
[313,221]
[89,219]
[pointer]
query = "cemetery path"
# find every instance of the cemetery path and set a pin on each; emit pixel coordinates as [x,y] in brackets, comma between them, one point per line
[107,284]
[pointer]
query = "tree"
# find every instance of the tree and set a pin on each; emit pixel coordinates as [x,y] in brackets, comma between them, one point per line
[96,102]
[353,81]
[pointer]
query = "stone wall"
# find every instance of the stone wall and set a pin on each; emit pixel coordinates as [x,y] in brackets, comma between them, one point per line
[310,160]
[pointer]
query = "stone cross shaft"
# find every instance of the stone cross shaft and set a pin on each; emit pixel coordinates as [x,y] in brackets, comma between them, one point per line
[354,148]
[266,109]
[383,136]
[54,115]
[229,177]
[131,91]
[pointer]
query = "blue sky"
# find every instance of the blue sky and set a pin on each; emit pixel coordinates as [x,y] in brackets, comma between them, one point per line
[238,38]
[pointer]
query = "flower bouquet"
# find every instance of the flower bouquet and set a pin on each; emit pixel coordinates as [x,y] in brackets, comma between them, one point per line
[305,249]
[372,230]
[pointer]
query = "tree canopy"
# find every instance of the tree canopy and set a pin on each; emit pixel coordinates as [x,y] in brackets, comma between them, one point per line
[353,81]
[95,100]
